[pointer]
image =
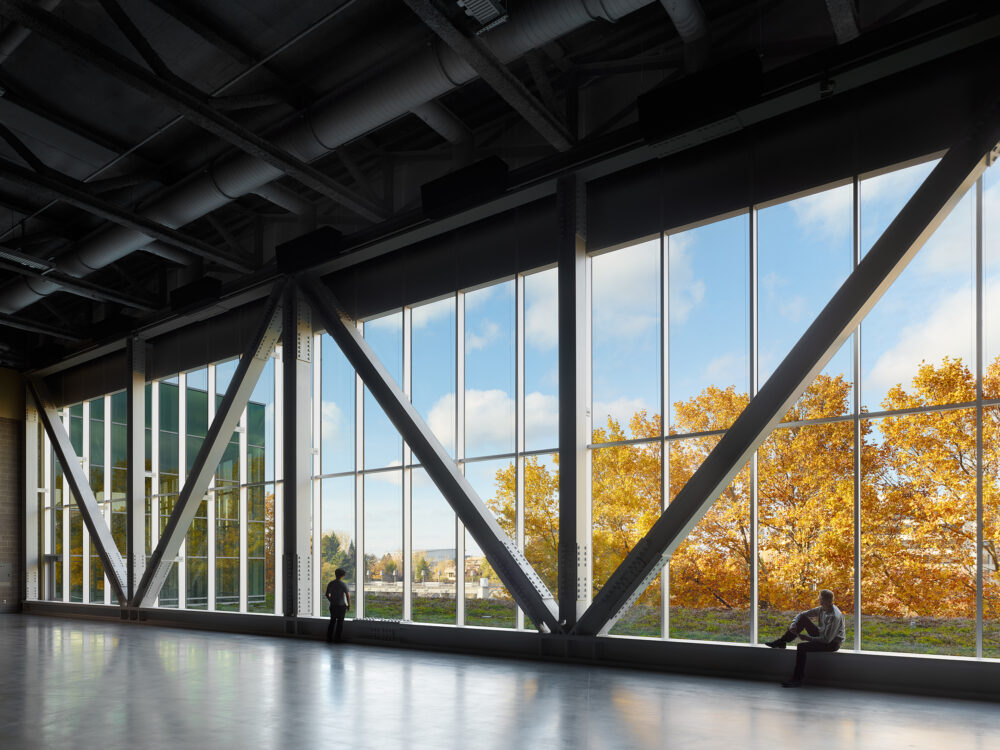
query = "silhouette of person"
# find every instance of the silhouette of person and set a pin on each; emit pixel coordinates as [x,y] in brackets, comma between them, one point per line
[826,636]
[339,597]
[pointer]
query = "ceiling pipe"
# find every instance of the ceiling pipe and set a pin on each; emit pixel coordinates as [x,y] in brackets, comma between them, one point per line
[443,122]
[688,18]
[421,78]
[14,34]
[285,198]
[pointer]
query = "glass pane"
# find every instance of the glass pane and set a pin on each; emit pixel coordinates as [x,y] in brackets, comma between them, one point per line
[710,573]
[434,564]
[918,533]
[625,484]
[95,452]
[75,555]
[541,360]
[337,409]
[487,601]
[196,557]
[227,549]
[991,533]
[626,317]
[805,523]
[709,272]
[384,545]
[96,577]
[805,251]
[991,282]
[433,374]
[170,592]
[883,196]
[925,322]
[224,372]
[541,517]
[260,427]
[489,370]
[337,549]
[168,457]
[260,548]
[383,445]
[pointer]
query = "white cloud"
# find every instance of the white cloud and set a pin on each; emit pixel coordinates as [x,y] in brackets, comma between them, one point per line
[951,248]
[490,420]
[945,329]
[827,214]
[626,292]
[730,367]
[488,333]
[621,409]
[541,314]
[541,414]
[393,478]
[686,292]
[424,315]
[771,283]
[334,426]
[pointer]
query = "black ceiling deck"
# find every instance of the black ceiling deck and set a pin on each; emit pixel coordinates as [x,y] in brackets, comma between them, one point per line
[68,118]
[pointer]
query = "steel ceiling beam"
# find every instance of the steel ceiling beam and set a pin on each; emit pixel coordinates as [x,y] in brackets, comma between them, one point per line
[192,104]
[248,371]
[68,191]
[507,560]
[481,59]
[100,534]
[78,287]
[957,171]
[10,321]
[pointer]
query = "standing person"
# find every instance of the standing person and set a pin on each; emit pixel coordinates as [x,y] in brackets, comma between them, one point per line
[339,597]
[826,636]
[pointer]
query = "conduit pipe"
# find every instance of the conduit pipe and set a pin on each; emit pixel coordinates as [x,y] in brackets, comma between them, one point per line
[285,198]
[422,78]
[688,17]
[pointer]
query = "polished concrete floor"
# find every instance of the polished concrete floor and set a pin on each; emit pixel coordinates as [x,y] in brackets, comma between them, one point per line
[83,684]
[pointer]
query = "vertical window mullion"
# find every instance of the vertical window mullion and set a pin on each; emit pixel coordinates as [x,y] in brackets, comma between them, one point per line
[856,412]
[460,451]
[359,490]
[181,481]
[407,472]
[979,418]
[664,419]
[519,493]
[108,501]
[752,358]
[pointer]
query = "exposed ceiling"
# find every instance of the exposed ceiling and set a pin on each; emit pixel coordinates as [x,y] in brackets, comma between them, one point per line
[221,128]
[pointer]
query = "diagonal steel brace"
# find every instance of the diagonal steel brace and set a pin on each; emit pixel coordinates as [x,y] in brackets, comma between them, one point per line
[100,534]
[507,560]
[248,371]
[915,223]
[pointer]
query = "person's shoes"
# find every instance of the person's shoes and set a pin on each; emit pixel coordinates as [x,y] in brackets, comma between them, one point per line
[776,644]
[792,684]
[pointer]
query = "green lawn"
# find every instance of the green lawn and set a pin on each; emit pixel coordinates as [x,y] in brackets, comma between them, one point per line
[923,635]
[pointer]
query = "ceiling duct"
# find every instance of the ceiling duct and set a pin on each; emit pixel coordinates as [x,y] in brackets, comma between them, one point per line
[423,77]
[488,13]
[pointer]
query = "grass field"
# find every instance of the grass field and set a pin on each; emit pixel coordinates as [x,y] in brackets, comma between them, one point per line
[923,635]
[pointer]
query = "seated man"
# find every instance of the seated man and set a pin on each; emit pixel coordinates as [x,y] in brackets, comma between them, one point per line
[827,636]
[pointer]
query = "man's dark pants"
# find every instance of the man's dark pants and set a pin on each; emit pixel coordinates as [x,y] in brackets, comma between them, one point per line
[802,651]
[336,627]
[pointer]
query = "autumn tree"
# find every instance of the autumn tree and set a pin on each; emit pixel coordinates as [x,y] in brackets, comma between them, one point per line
[918,486]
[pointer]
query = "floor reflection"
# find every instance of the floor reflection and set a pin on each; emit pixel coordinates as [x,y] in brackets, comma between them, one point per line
[80,684]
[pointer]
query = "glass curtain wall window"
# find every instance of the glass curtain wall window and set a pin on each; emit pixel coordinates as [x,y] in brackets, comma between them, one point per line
[230,569]
[480,367]
[899,430]
[881,482]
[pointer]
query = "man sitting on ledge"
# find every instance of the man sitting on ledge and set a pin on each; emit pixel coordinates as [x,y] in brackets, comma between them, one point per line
[827,636]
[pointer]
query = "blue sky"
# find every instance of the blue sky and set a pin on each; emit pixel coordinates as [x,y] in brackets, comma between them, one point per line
[804,254]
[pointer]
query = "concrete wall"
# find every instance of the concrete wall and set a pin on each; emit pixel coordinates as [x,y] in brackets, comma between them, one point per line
[11,489]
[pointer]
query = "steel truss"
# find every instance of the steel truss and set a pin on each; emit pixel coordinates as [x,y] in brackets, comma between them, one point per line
[100,534]
[507,559]
[251,364]
[954,175]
